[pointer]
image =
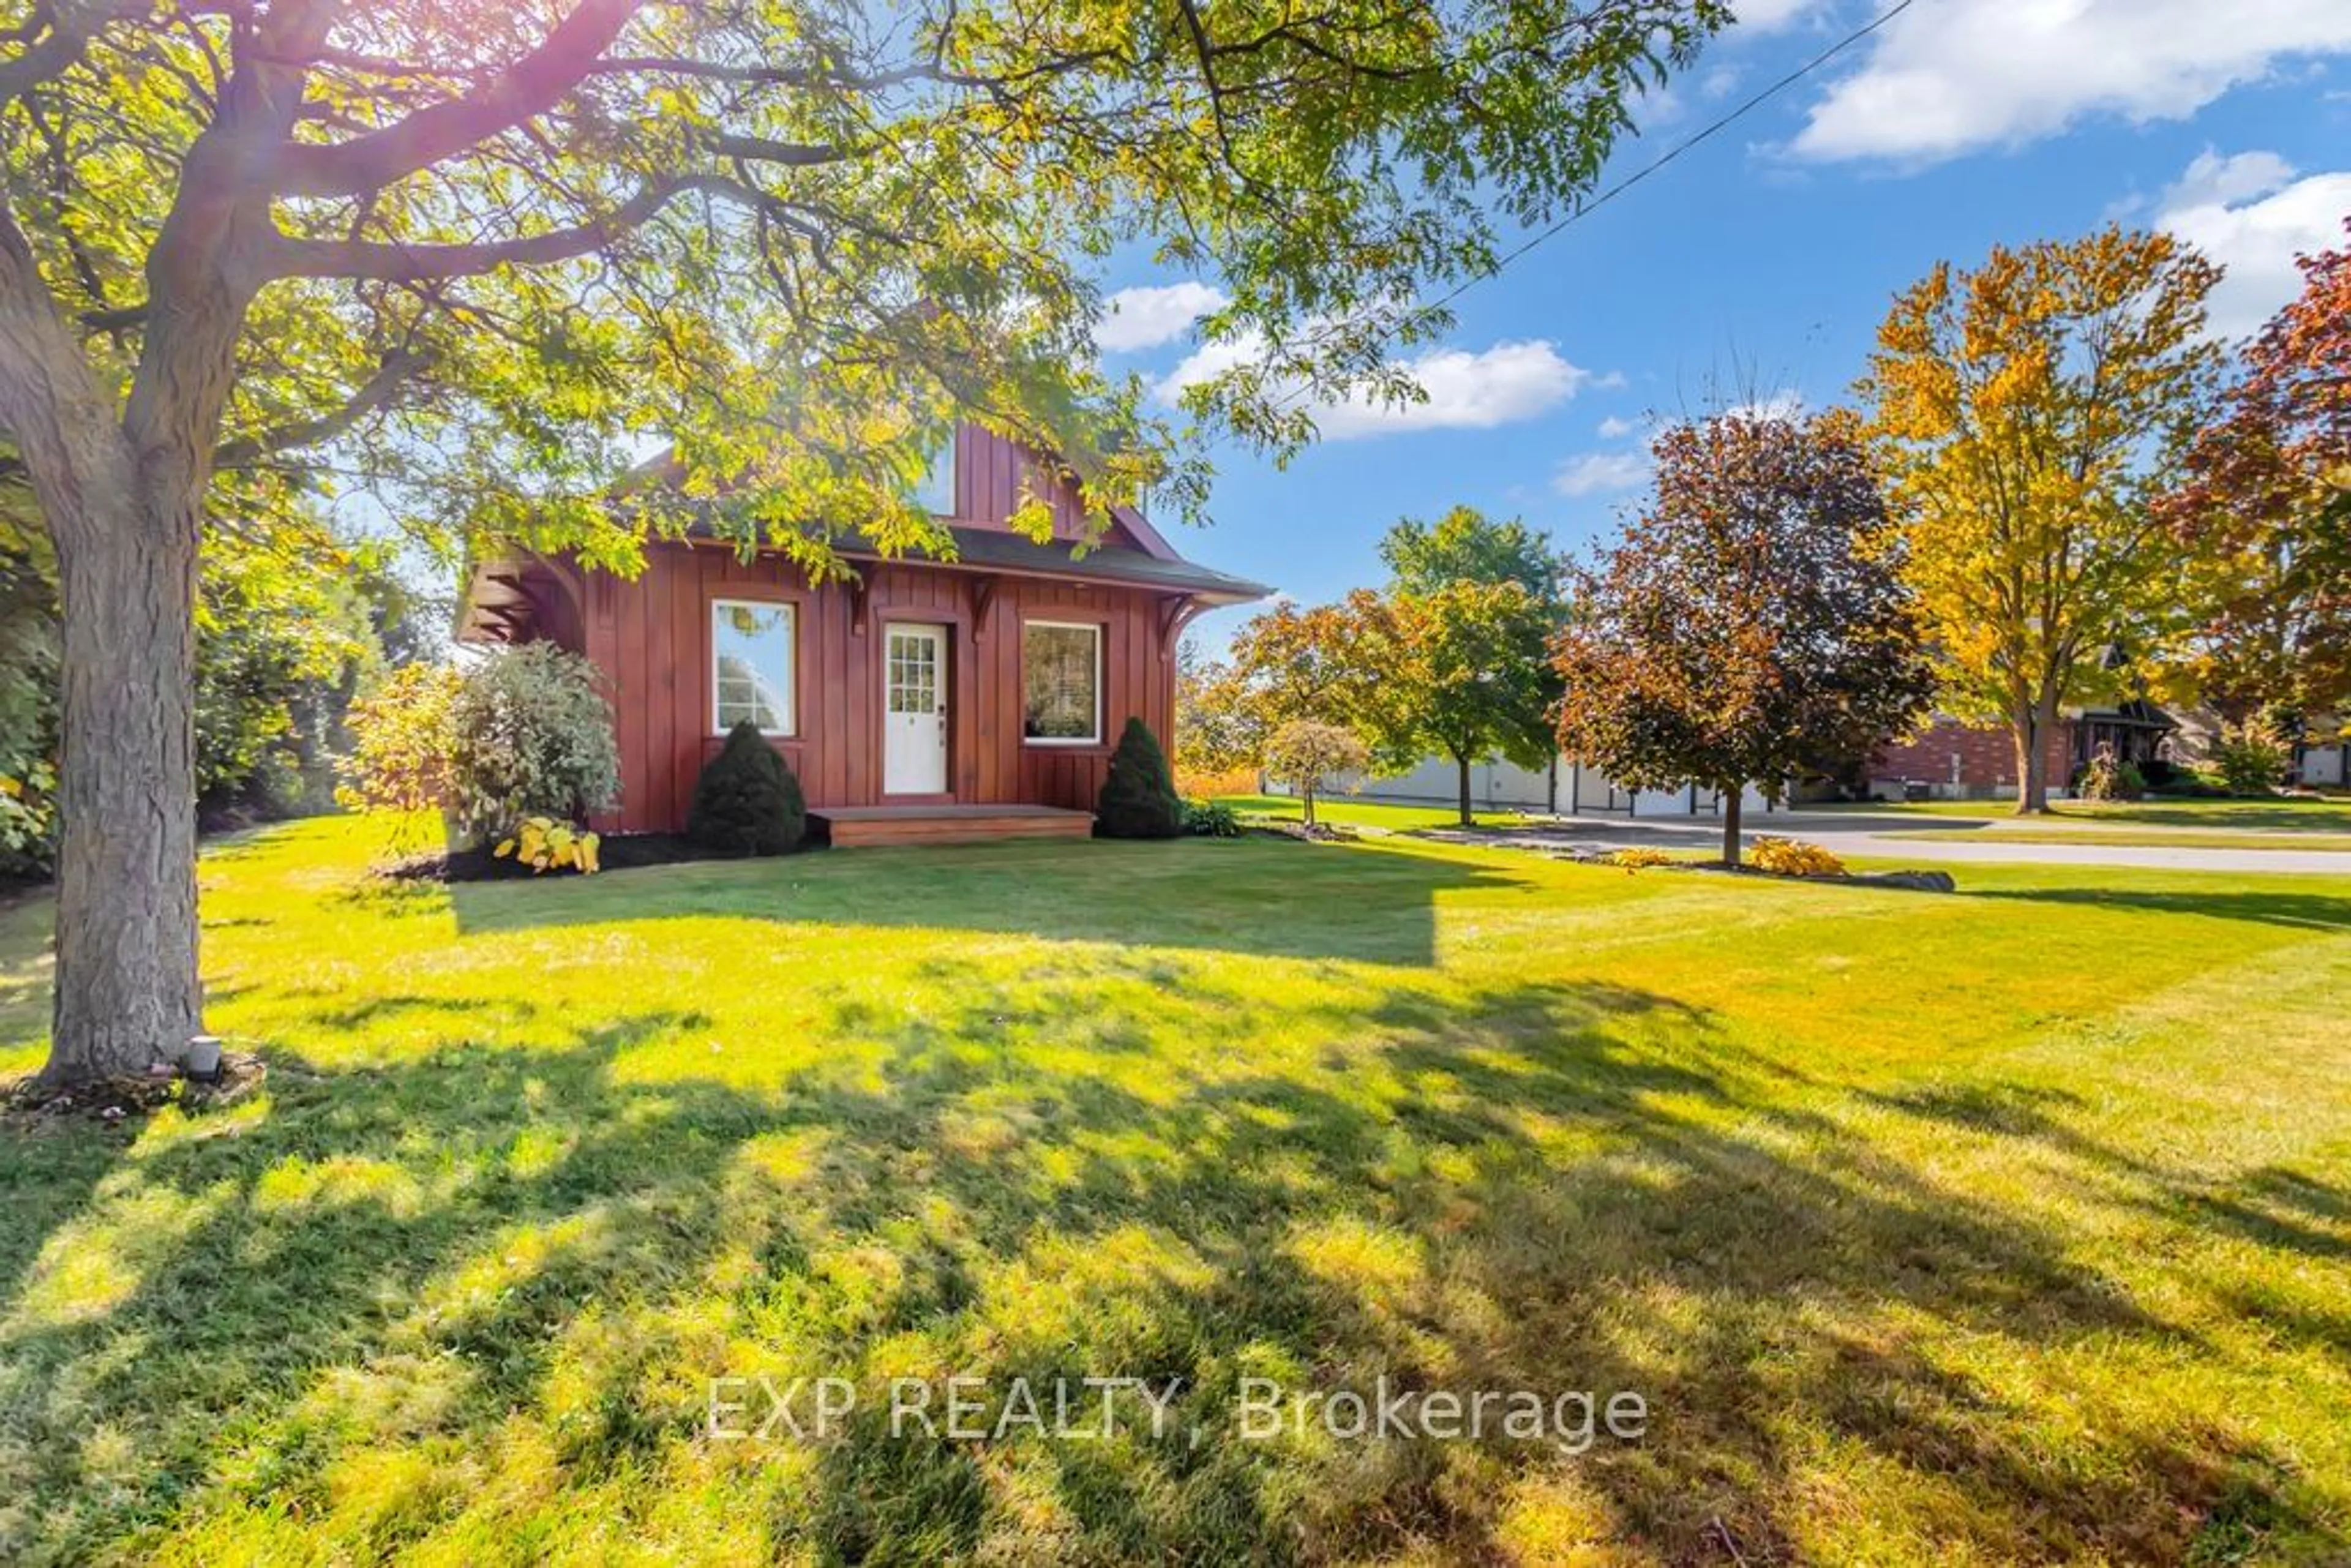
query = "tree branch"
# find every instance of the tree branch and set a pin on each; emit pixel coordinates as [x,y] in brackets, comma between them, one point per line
[289,258]
[58,50]
[377,392]
[529,88]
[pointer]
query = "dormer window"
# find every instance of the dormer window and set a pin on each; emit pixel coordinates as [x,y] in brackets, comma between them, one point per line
[937,494]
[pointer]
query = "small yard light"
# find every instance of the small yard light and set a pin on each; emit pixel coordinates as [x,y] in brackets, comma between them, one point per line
[202,1060]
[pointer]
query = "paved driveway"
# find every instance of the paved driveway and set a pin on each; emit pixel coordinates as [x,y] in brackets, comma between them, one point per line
[1868,835]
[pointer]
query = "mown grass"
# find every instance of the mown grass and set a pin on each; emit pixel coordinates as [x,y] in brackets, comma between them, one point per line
[2006,1226]
[2281,814]
[1342,808]
[2303,839]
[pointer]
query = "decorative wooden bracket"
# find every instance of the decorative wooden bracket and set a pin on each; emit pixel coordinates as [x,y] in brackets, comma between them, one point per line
[983,595]
[860,604]
[1178,613]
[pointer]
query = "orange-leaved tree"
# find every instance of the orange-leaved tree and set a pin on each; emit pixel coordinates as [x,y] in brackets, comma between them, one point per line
[2027,416]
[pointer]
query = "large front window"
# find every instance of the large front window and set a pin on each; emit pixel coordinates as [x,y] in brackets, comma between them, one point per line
[752,655]
[1061,682]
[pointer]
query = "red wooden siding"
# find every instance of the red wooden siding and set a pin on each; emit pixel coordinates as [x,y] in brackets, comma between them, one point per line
[652,636]
[992,478]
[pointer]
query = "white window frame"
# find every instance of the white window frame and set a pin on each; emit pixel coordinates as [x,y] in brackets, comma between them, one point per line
[791,675]
[1095,629]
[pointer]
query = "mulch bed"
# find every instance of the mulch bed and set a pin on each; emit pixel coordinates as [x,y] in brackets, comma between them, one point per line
[614,852]
[1319,834]
[29,1106]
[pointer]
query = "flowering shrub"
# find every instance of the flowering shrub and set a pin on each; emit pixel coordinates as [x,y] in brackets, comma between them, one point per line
[2251,757]
[2109,777]
[530,735]
[401,757]
[545,844]
[1793,857]
[1204,784]
[1640,859]
[524,734]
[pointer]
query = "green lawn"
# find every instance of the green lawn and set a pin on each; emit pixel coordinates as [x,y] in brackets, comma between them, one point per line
[1345,809]
[2280,815]
[2009,1226]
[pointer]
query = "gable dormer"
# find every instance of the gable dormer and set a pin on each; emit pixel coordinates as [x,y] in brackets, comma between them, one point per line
[980,479]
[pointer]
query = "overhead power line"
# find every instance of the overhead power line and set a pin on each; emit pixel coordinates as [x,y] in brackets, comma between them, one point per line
[1586,209]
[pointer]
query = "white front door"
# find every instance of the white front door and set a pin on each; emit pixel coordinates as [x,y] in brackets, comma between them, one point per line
[914,711]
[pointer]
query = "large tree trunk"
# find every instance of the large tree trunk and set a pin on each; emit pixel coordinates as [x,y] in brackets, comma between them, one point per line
[1462,770]
[1731,803]
[124,505]
[2032,728]
[127,994]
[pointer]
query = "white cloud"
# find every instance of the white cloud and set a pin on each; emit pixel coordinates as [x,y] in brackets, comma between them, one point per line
[1718,83]
[1944,80]
[2214,180]
[1146,317]
[1501,385]
[1768,15]
[1785,403]
[2254,215]
[1616,428]
[1601,473]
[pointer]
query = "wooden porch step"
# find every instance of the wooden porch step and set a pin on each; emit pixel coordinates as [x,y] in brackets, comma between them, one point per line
[851,826]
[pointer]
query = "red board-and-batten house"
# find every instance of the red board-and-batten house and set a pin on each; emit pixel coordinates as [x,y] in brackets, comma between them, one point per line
[924,699]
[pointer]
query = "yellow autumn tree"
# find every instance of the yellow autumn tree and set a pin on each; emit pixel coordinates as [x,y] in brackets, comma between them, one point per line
[2027,414]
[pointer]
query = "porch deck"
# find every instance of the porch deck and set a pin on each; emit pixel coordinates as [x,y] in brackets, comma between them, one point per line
[851,826]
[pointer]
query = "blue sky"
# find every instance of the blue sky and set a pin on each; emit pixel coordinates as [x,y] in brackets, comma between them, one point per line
[1761,262]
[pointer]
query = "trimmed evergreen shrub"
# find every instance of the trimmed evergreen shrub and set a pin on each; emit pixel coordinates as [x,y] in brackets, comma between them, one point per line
[747,802]
[1138,799]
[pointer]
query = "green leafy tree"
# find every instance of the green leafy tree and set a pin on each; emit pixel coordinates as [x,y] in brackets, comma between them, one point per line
[2028,415]
[280,647]
[1138,794]
[484,253]
[1462,652]
[1465,546]
[1750,622]
[28,713]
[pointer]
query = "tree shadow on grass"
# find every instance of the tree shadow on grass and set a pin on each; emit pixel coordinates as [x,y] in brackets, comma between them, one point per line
[474,1303]
[1358,903]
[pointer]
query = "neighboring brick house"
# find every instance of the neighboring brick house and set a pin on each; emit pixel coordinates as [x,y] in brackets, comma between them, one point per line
[1975,761]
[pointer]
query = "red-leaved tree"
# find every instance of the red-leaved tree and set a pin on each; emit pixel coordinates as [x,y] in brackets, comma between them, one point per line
[1750,625]
[2262,509]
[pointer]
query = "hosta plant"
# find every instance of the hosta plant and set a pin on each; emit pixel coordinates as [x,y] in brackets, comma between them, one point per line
[1793,857]
[545,844]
